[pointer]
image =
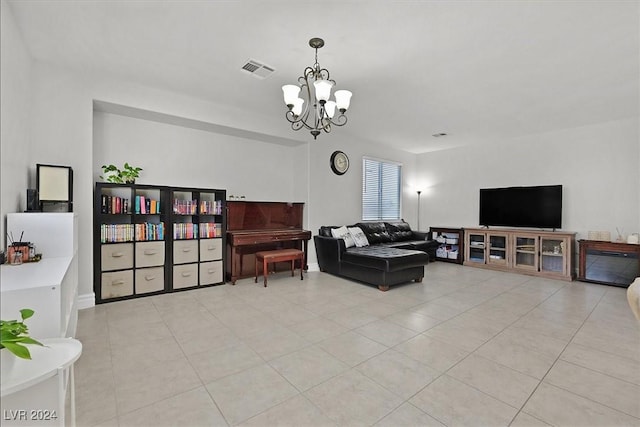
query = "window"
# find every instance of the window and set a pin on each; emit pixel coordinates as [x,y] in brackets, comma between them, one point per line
[381,183]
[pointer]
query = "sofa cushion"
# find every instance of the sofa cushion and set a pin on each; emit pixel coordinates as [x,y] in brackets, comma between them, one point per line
[376,232]
[399,231]
[343,233]
[325,230]
[358,236]
[385,258]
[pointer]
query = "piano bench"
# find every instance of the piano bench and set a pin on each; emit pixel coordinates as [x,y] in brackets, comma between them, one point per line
[279,255]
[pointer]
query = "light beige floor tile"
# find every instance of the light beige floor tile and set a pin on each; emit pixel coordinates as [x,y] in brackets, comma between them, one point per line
[532,340]
[501,382]
[211,366]
[624,342]
[551,323]
[248,393]
[408,415]
[526,420]
[518,357]
[560,407]
[198,340]
[295,412]
[415,321]
[132,309]
[318,329]
[122,331]
[191,408]
[146,353]
[604,362]
[385,332]
[455,403]
[612,392]
[109,423]
[190,319]
[378,308]
[352,348]
[137,387]
[252,325]
[351,317]
[96,401]
[438,311]
[308,367]
[275,342]
[467,333]
[398,373]
[324,306]
[352,399]
[433,353]
[292,315]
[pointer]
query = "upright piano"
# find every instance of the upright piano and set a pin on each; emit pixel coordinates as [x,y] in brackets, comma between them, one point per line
[262,226]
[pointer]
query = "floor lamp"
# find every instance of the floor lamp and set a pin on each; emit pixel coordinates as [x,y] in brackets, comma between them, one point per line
[419,209]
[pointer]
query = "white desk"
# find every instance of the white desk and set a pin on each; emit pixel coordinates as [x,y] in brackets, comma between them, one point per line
[34,391]
[48,287]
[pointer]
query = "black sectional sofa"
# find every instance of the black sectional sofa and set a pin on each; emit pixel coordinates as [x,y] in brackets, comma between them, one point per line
[395,254]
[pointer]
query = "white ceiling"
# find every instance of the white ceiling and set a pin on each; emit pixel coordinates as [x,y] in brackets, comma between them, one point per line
[478,70]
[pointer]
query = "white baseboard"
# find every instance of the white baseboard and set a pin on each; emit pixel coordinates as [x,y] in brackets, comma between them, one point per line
[86,301]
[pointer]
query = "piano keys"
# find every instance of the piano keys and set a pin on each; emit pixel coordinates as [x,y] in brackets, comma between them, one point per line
[262,226]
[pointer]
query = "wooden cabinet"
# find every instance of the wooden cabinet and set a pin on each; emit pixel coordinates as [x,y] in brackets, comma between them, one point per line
[153,239]
[609,263]
[451,243]
[540,253]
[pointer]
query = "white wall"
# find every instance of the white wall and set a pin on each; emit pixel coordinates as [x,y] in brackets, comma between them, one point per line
[179,156]
[15,81]
[597,166]
[337,200]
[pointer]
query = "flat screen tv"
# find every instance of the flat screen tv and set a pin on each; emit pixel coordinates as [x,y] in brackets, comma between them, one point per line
[534,207]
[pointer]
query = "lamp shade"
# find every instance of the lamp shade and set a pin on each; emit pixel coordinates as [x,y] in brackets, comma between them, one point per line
[323,89]
[343,99]
[290,93]
[297,106]
[330,108]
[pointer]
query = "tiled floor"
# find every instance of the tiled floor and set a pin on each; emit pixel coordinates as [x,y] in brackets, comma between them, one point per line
[465,347]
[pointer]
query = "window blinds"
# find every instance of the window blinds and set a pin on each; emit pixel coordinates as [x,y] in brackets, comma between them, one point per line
[381,183]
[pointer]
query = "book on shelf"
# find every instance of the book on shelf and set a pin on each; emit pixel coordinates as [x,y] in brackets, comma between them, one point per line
[185,207]
[185,230]
[210,230]
[113,204]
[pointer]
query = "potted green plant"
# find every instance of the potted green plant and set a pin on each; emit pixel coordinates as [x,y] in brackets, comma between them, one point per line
[126,175]
[14,334]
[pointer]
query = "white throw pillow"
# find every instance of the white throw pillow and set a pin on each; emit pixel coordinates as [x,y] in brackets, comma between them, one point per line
[358,236]
[343,233]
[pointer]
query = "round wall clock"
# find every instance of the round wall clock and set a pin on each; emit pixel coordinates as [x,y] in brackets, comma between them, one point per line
[339,163]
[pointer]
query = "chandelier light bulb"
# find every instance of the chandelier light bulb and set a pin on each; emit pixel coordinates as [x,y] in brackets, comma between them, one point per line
[297,106]
[343,99]
[323,90]
[330,108]
[291,93]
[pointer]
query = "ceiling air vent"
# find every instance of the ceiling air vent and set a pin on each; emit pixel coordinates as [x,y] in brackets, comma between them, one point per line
[257,69]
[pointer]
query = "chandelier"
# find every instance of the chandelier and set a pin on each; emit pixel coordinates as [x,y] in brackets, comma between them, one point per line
[316,113]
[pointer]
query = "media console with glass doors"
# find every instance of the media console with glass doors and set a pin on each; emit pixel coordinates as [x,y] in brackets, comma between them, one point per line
[539,253]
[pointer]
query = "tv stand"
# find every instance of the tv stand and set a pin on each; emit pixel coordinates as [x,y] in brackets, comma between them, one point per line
[538,253]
